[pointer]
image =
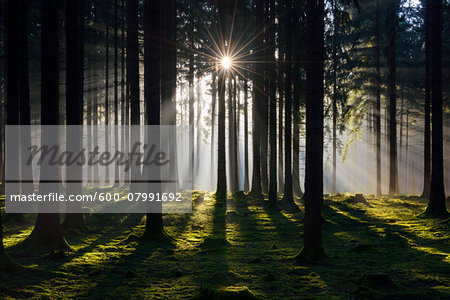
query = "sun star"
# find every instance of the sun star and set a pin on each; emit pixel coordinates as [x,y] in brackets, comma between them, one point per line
[226,62]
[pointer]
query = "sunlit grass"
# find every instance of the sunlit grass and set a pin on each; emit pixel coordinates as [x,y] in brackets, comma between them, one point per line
[386,237]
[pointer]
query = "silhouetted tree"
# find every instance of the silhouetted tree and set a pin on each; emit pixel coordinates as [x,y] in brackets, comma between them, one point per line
[312,246]
[391,22]
[288,191]
[436,203]
[270,6]
[74,105]
[133,79]
[47,231]
[427,131]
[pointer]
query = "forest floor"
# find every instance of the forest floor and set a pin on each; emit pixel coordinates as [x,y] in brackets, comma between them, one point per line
[380,250]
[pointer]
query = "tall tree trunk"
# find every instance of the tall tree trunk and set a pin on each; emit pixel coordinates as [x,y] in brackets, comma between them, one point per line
[378,99]
[221,192]
[436,203]
[74,106]
[288,191]
[154,227]
[246,162]
[47,231]
[125,103]
[2,99]
[427,131]
[107,93]
[116,99]
[231,129]
[13,81]
[258,102]
[280,77]
[264,104]
[273,107]
[133,79]
[392,108]
[312,247]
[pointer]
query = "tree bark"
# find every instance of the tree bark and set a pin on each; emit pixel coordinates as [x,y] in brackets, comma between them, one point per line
[378,99]
[427,130]
[436,204]
[312,247]
[246,156]
[47,231]
[152,60]
[258,102]
[288,190]
[392,108]
[74,106]
[133,79]
[273,107]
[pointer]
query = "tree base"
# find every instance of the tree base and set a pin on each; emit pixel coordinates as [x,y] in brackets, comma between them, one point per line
[255,195]
[160,237]
[430,214]
[38,240]
[75,222]
[314,254]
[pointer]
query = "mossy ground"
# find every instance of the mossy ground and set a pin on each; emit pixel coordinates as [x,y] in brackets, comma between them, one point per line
[379,251]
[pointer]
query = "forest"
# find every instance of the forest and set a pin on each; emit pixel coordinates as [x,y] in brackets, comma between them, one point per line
[224,149]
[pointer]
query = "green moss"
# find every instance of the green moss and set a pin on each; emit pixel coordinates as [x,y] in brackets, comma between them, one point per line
[243,255]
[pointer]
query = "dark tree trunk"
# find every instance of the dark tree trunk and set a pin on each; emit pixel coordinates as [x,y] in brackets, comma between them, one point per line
[392,108]
[264,104]
[246,162]
[125,103]
[116,96]
[133,79]
[312,247]
[152,60]
[223,17]
[12,104]
[231,141]
[378,99]
[280,87]
[436,203]
[427,131]
[273,107]
[258,102]
[74,105]
[288,190]
[47,232]
[107,133]
[12,80]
